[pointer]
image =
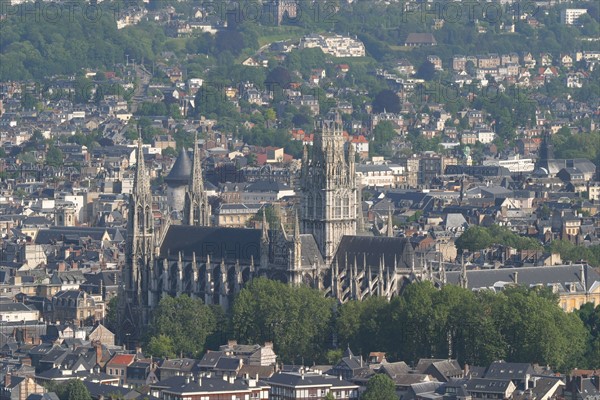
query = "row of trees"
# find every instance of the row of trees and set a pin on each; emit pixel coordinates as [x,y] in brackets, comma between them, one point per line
[476,328]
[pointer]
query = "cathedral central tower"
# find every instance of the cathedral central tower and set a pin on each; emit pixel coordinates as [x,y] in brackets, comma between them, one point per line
[329,190]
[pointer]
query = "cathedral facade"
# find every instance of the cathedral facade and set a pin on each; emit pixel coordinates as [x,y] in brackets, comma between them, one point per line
[214,263]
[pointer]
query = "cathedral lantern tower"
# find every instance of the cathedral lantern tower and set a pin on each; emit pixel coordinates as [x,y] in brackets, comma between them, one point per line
[329,189]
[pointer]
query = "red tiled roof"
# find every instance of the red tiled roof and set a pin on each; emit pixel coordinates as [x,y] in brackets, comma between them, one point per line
[122,359]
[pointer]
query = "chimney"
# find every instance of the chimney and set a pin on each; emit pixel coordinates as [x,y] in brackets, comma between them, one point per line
[466,370]
[98,348]
[232,343]
[7,379]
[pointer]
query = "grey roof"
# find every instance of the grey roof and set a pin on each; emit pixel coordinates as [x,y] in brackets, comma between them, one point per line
[395,368]
[391,249]
[421,38]
[266,186]
[480,385]
[310,251]
[228,364]
[221,243]
[182,169]
[179,364]
[74,234]
[508,370]
[455,220]
[562,275]
[210,359]
[16,307]
[296,379]
[180,384]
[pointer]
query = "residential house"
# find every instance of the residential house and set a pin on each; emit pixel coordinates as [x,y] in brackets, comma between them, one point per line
[117,366]
[306,384]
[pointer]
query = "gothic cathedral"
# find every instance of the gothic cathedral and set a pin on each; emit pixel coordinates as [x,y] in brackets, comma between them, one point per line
[214,263]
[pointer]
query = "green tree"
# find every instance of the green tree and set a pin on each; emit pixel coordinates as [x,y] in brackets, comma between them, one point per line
[296,319]
[169,152]
[386,100]
[473,239]
[426,71]
[111,319]
[161,346]
[380,387]
[383,134]
[185,321]
[76,390]
[54,157]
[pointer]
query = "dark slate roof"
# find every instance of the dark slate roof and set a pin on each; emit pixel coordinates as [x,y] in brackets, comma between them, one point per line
[108,278]
[310,251]
[295,379]
[228,364]
[210,359]
[98,390]
[480,385]
[221,243]
[395,368]
[74,233]
[182,169]
[266,186]
[563,275]
[180,364]
[372,249]
[45,396]
[507,370]
[477,170]
[179,384]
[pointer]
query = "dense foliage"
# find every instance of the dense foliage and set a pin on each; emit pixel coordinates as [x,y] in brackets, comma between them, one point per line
[73,389]
[480,237]
[380,387]
[571,252]
[179,326]
[591,319]
[298,320]
[476,328]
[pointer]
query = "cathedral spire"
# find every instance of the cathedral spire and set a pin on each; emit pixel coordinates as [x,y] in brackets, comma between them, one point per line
[265,227]
[141,183]
[464,280]
[197,208]
[390,223]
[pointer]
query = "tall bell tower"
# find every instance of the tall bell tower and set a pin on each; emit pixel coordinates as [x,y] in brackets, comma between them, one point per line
[135,296]
[329,189]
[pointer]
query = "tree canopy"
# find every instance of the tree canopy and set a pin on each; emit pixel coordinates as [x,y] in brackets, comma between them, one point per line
[297,320]
[386,100]
[180,325]
[380,387]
